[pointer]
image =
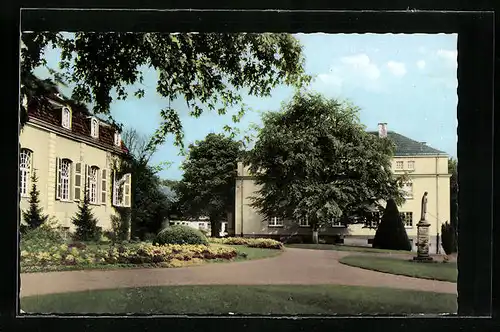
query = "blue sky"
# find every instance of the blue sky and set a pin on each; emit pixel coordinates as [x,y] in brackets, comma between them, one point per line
[408,81]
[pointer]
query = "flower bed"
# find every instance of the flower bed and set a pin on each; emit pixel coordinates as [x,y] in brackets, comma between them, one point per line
[249,242]
[143,254]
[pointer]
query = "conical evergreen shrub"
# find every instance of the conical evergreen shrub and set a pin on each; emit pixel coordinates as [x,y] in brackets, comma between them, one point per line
[85,222]
[34,217]
[448,238]
[391,233]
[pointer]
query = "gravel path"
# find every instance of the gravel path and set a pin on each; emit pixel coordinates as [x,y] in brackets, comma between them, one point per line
[294,266]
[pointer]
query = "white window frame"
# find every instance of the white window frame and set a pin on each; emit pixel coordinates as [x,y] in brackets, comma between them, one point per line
[407,217]
[64,180]
[94,127]
[121,186]
[93,184]
[66,118]
[304,222]
[275,222]
[408,190]
[411,165]
[25,167]
[337,223]
[118,139]
[399,165]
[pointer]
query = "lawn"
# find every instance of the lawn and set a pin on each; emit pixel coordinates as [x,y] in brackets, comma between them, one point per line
[435,271]
[344,248]
[263,300]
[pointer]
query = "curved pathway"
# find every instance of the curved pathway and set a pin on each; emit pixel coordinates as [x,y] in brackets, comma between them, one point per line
[294,266]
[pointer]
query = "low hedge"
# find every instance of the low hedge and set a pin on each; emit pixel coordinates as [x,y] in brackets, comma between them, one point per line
[179,234]
[249,242]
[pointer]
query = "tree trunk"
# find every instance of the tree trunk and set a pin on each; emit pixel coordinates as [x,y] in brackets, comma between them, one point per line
[214,228]
[315,235]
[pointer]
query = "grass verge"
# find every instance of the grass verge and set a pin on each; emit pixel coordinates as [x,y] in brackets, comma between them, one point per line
[434,271]
[344,248]
[262,300]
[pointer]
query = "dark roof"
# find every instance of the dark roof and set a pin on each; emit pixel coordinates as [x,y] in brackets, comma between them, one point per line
[80,122]
[407,147]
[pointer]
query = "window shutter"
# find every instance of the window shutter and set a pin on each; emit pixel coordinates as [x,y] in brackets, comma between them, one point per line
[126,190]
[78,182]
[87,181]
[104,186]
[58,178]
[115,191]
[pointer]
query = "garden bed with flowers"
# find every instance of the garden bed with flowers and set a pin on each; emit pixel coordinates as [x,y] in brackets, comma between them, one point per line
[80,256]
[249,242]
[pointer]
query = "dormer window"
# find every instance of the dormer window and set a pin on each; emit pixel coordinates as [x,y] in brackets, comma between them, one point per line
[94,128]
[66,118]
[118,139]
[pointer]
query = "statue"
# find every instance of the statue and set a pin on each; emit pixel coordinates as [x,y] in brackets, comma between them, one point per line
[424,206]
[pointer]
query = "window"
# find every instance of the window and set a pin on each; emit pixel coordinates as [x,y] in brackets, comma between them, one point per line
[92,183]
[304,222]
[275,221]
[94,128]
[122,190]
[399,165]
[407,218]
[25,171]
[66,118]
[408,190]
[337,222]
[63,176]
[411,165]
[118,139]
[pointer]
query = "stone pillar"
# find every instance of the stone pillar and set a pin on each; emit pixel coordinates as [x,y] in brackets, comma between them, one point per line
[423,241]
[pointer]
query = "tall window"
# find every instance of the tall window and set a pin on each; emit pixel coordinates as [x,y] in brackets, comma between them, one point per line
[122,190]
[399,165]
[411,165]
[63,179]
[25,171]
[407,218]
[408,190]
[94,128]
[66,118]
[275,221]
[92,184]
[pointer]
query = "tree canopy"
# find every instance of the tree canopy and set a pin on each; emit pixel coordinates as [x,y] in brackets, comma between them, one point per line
[207,187]
[207,70]
[313,159]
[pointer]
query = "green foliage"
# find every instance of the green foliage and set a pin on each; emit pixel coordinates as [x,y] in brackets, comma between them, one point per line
[207,70]
[391,233]
[34,216]
[85,222]
[449,238]
[120,225]
[207,187]
[249,242]
[313,159]
[40,238]
[179,234]
[452,169]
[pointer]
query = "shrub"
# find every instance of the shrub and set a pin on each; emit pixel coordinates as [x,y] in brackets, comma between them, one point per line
[179,234]
[86,223]
[391,233]
[34,217]
[448,238]
[40,238]
[249,242]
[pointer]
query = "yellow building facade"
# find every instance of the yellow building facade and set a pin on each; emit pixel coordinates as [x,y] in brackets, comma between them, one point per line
[426,168]
[71,151]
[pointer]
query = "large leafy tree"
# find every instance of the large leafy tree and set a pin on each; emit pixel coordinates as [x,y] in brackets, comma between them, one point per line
[207,187]
[452,169]
[150,204]
[314,160]
[208,70]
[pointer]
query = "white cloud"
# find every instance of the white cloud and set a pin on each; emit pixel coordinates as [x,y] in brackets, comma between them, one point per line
[396,68]
[361,64]
[421,64]
[449,55]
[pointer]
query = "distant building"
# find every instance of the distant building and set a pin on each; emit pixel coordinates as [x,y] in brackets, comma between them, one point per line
[202,223]
[71,150]
[427,169]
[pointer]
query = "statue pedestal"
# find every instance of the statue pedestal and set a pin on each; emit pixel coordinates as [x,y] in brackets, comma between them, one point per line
[423,242]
